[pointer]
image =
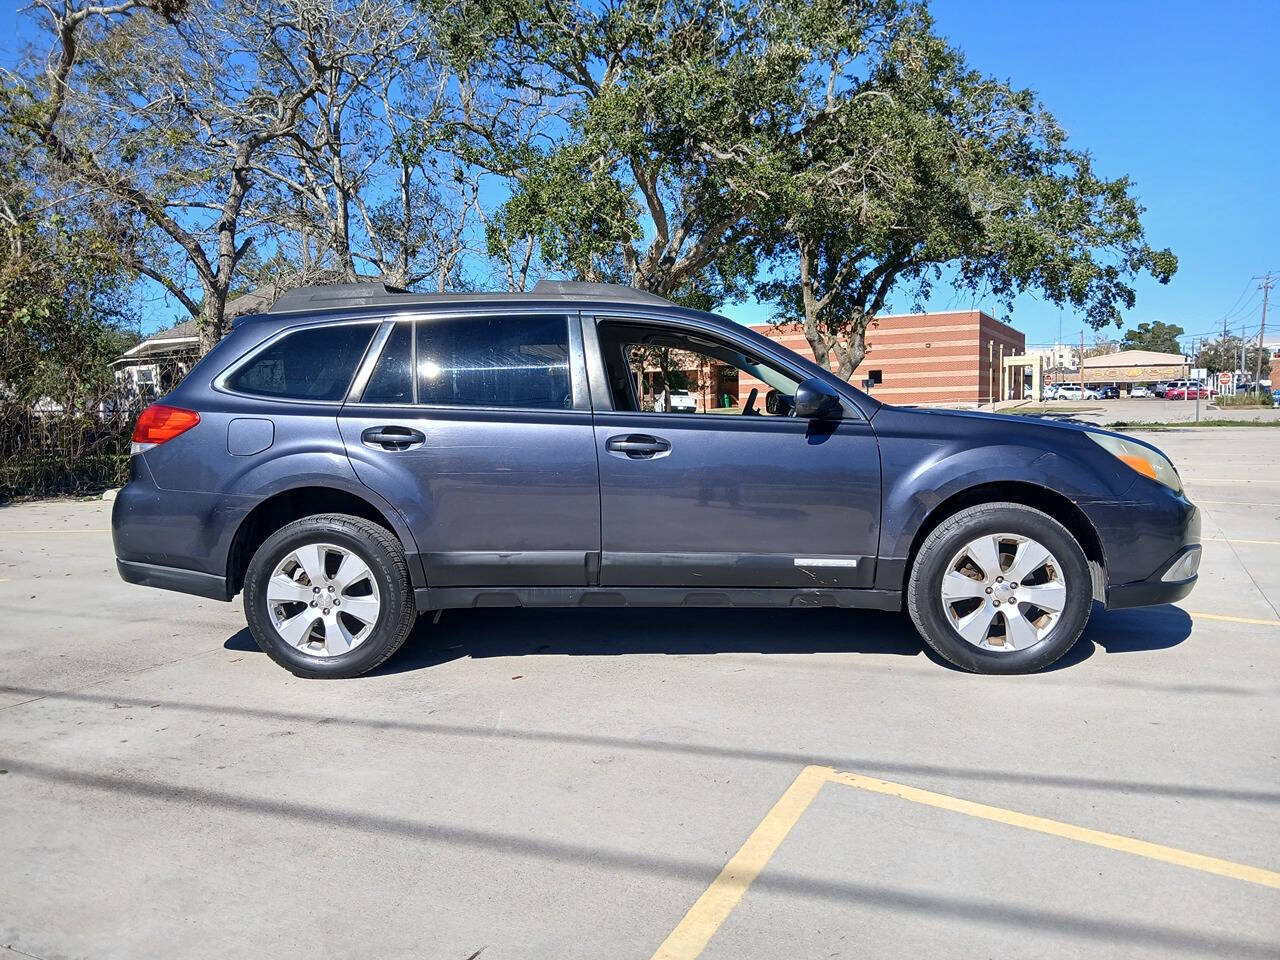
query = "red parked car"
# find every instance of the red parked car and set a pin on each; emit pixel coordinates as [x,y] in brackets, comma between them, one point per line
[1182,390]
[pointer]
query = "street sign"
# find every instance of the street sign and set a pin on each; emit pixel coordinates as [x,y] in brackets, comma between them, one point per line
[1224,380]
[1048,379]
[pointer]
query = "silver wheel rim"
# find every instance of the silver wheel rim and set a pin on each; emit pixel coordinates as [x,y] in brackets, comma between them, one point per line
[1003,592]
[323,599]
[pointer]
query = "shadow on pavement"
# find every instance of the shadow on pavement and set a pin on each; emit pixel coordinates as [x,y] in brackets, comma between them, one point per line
[1137,629]
[676,631]
[1165,937]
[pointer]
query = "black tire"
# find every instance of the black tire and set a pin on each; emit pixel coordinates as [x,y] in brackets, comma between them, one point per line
[384,556]
[924,598]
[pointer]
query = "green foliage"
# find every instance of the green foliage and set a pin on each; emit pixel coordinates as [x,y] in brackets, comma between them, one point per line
[64,317]
[1158,336]
[832,152]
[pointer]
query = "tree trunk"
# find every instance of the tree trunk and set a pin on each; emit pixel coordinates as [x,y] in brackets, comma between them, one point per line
[211,322]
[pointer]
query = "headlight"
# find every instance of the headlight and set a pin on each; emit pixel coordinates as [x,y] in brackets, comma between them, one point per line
[1143,459]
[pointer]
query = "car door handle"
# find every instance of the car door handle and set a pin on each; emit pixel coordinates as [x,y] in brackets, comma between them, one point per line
[393,438]
[637,446]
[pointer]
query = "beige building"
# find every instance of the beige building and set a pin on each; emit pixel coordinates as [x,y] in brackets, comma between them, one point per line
[1135,366]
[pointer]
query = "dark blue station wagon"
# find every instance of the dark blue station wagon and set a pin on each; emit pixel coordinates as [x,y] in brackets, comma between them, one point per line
[358,456]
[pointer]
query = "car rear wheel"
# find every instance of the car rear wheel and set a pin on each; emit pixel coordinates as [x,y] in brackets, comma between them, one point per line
[1000,588]
[329,596]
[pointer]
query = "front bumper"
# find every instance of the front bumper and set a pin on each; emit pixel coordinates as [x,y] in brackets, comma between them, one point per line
[1171,582]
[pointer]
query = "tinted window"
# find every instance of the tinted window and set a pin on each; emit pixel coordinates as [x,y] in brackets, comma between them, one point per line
[495,362]
[313,364]
[392,377]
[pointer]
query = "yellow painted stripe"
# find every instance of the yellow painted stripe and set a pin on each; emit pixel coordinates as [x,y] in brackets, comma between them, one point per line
[1240,503]
[1097,838]
[704,918]
[690,938]
[38,533]
[1268,543]
[1226,619]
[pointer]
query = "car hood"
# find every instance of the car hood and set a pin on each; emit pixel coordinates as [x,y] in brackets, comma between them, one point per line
[1020,423]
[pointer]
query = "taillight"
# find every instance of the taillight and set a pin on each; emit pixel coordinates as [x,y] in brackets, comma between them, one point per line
[158,424]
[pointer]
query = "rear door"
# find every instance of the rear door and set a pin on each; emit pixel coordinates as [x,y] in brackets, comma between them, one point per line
[477,427]
[736,494]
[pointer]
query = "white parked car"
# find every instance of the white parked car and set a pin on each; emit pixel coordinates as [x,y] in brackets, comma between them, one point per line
[1073,391]
[1141,392]
[676,401]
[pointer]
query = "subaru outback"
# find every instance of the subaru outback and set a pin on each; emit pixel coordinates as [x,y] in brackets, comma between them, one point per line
[357,456]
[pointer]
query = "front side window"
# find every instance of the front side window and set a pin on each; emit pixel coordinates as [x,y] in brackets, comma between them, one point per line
[498,361]
[661,370]
[312,364]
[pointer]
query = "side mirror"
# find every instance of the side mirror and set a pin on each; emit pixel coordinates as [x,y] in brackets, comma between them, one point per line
[815,400]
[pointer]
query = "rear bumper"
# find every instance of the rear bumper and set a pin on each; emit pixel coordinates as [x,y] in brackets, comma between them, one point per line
[174,578]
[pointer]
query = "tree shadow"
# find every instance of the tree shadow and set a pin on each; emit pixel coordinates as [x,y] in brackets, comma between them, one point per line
[679,631]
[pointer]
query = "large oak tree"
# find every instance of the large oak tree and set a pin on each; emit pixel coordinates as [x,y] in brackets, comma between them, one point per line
[829,153]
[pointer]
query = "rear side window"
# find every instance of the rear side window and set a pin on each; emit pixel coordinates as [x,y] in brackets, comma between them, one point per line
[392,377]
[313,364]
[495,362]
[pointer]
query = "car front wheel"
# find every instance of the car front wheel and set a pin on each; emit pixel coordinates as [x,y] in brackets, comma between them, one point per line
[1000,588]
[329,596]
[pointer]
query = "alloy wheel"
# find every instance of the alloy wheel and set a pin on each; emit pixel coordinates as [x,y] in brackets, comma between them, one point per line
[1003,592]
[323,599]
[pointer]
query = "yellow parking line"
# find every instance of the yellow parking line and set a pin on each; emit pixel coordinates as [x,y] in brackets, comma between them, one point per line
[1266,543]
[691,936]
[1097,838]
[33,533]
[1240,503]
[1226,619]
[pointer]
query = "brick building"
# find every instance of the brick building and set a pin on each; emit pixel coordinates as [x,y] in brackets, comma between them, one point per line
[955,357]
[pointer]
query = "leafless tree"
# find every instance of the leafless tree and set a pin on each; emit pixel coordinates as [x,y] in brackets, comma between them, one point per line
[165,106]
[368,174]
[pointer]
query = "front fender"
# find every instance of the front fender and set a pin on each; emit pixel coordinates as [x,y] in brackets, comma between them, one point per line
[923,469]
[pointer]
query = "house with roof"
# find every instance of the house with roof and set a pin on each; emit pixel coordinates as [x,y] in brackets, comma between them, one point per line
[154,366]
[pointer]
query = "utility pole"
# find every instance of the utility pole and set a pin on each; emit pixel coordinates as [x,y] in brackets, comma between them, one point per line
[1262,330]
[1082,363]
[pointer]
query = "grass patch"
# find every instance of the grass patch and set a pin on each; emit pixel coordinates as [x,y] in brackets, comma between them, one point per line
[1156,425]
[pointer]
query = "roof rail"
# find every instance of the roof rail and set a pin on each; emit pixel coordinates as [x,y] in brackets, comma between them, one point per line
[375,293]
[337,295]
[609,291]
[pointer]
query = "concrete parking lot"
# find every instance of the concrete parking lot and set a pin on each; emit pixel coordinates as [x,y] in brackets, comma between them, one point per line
[1145,410]
[642,783]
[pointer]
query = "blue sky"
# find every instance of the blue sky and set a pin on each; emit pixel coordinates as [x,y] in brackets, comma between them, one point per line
[1182,97]
[1185,99]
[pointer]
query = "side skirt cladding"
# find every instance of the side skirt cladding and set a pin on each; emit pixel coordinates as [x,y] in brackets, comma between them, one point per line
[447,598]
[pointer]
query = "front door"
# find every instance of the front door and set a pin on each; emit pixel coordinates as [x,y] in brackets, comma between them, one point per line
[735,492]
[478,429]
